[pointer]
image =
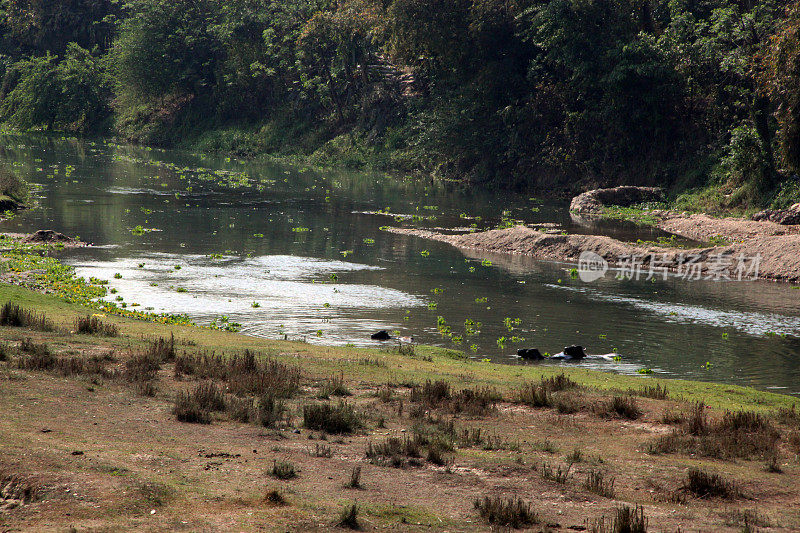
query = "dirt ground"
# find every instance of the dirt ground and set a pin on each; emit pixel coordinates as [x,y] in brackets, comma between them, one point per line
[777,246]
[92,454]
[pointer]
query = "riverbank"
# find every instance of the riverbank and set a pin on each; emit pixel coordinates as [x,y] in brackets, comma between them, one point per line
[92,440]
[777,247]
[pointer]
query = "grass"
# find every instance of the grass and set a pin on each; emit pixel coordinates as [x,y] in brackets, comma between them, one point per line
[506,512]
[444,389]
[561,474]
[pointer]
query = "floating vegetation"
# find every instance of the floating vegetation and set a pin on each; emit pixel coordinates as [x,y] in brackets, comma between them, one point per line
[424,253]
[369,241]
[300,230]
[486,263]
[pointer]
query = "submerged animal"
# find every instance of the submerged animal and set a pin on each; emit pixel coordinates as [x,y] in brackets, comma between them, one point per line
[571,353]
[381,335]
[530,354]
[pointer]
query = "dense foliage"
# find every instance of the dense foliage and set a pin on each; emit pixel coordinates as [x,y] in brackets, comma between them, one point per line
[692,94]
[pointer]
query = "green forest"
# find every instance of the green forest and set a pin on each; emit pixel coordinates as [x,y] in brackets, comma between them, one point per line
[699,96]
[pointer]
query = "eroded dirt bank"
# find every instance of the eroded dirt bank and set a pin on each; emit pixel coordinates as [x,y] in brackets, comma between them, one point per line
[777,247]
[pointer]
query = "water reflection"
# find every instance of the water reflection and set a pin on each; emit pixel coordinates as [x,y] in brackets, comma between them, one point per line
[292,240]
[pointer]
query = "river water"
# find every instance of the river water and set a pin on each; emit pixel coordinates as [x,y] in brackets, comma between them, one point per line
[285,250]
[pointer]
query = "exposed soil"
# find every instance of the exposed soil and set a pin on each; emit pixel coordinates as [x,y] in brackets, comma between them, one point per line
[778,246]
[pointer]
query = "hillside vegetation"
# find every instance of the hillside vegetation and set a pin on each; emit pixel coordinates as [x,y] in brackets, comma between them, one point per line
[559,95]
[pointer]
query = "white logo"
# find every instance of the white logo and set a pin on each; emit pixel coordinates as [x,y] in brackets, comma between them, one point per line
[591,266]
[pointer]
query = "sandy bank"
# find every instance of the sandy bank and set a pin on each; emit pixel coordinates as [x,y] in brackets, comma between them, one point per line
[776,247]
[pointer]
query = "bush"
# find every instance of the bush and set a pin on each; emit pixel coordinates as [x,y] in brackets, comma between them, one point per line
[12,185]
[509,512]
[69,94]
[395,451]
[338,419]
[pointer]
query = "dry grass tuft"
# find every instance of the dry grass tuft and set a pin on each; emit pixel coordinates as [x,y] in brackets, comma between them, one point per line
[704,485]
[626,520]
[509,512]
[14,315]
[92,325]
[335,419]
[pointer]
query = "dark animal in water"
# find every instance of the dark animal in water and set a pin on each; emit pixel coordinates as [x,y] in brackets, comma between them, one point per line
[531,354]
[382,335]
[574,351]
[571,353]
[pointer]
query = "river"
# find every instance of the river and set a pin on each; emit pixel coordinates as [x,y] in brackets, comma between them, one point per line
[285,250]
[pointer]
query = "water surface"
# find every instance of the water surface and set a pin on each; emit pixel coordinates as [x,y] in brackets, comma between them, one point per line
[287,251]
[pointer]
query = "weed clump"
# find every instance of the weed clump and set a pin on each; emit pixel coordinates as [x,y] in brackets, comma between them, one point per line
[741,434]
[283,470]
[270,410]
[335,419]
[626,520]
[540,395]
[619,407]
[162,350]
[355,479]
[658,392]
[348,518]
[508,512]
[188,409]
[14,315]
[244,373]
[141,371]
[39,357]
[597,483]
[92,325]
[334,386]
[274,497]
[704,485]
